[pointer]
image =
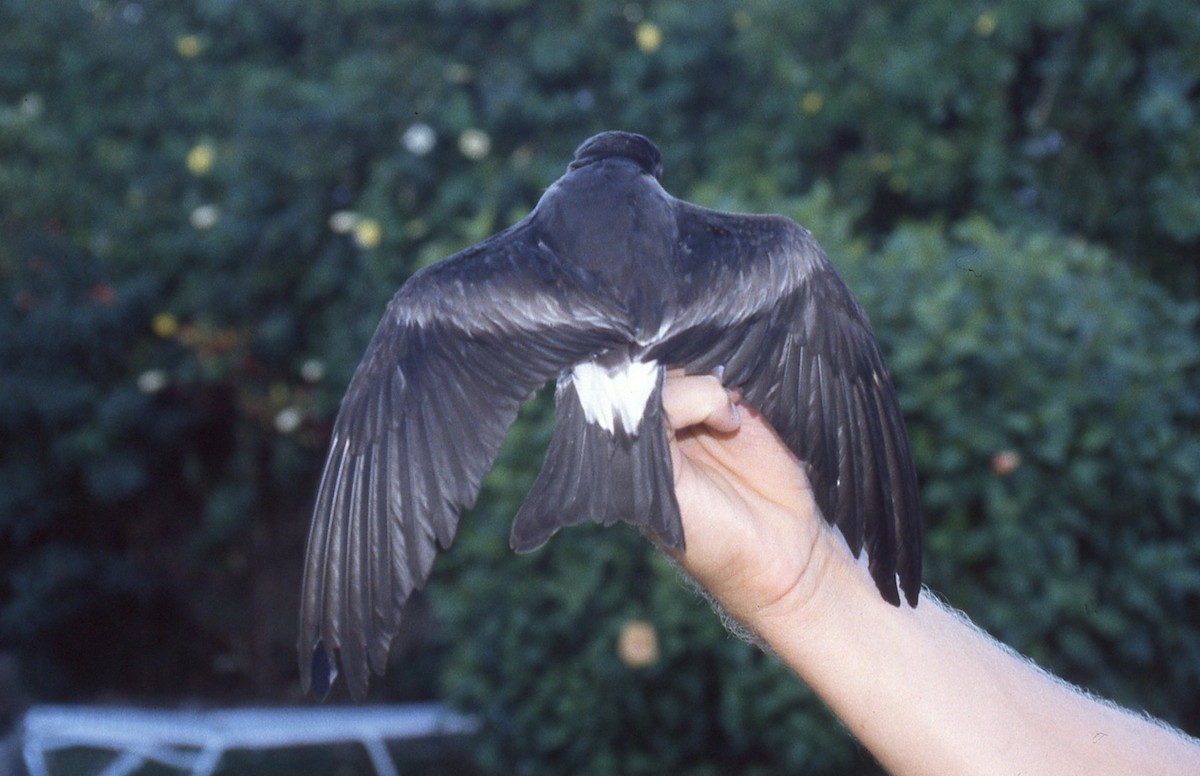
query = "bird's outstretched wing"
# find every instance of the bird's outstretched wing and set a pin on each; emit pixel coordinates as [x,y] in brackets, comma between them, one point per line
[461,345]
[762,301]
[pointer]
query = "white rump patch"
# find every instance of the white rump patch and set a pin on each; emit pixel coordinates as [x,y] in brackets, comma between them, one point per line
[615,395]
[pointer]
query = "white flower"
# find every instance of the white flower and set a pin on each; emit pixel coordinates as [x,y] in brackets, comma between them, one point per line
[343,221]
[312,370]
[152,381]
[288,420]
[205,216]
[419,139]
[474,143]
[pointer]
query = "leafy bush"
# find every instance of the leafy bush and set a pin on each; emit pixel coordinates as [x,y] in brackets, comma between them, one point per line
[1049,393]
[1010,109]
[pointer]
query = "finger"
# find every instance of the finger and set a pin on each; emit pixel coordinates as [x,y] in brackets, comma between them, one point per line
[700,399]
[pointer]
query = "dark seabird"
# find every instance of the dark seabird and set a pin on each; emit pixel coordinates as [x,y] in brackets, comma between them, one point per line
[606,284]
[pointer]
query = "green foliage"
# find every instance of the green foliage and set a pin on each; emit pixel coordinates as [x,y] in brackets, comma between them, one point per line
[1079,114]
[1052,399]
[207,204]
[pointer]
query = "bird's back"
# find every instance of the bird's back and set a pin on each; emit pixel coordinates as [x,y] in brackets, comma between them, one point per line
[618,226]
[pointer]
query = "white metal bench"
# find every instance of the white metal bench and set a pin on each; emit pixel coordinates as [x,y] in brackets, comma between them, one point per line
[195,741]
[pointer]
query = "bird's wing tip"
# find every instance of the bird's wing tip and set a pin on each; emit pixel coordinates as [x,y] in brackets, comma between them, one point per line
[323,671]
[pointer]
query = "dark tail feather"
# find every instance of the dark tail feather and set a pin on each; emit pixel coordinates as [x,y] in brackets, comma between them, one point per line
[593,474]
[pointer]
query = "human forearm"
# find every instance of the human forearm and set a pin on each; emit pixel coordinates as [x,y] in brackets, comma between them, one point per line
[926,692]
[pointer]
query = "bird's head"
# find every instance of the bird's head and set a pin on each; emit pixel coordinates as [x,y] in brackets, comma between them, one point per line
[625,145]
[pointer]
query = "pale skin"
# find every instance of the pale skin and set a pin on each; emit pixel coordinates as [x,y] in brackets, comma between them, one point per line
[922,689]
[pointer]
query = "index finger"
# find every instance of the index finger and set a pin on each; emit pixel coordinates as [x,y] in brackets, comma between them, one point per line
[690,400]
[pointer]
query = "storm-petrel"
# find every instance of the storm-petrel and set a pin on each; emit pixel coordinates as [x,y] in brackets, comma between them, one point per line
[609,282]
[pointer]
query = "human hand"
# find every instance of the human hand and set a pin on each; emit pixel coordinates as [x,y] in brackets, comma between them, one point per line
[755,539]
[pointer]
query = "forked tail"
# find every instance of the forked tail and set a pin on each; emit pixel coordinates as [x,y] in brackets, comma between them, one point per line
[594,473]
